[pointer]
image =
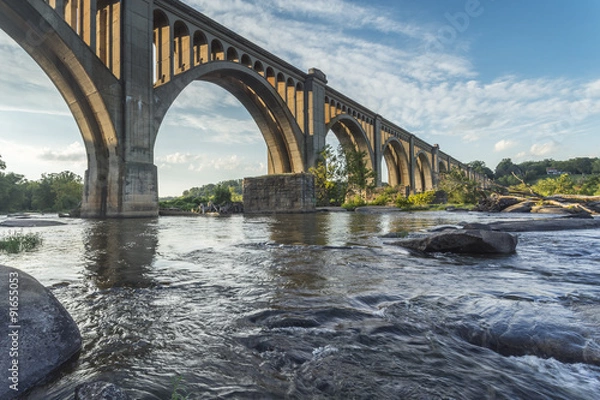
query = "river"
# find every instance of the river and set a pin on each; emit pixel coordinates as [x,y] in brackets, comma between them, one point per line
[318,306]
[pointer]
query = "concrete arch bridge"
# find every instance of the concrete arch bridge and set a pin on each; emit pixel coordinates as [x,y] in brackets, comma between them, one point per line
[120,65]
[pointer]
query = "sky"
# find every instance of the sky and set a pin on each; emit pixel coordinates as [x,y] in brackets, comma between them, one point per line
[484,79]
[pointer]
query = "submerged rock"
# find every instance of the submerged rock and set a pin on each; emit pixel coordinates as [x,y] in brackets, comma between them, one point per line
[99,391]
[524,329]
[537,225]
[463,241]
[30,223]
[37,332]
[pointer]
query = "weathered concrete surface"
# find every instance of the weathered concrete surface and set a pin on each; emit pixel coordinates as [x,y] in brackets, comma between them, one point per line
[99,391]
[540,225]
[289,193]
[463,241]
[37,335]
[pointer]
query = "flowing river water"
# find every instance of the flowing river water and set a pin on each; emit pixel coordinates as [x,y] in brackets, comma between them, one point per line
[320,306]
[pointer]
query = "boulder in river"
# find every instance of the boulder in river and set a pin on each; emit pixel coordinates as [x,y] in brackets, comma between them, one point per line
[523,328]
[36,331]
[463,241]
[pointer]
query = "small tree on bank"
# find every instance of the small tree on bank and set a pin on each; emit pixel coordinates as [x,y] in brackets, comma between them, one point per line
[459,188]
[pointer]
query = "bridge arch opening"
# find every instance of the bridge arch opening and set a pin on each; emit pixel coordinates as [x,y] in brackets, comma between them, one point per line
[200,48]
[216,50]
[181,47]
[397,163]
[274,120]
[162,47]
[423,178]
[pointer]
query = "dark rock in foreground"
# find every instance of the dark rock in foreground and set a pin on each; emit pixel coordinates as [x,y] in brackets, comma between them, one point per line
[29,223]
[522,329]
[540,225]
[463,241]
[99,391]
[37,335]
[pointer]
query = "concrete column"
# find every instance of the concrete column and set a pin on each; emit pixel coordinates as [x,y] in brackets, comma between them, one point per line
[413,164]
[139,182]
[378,151]
[314,111]
[435,167]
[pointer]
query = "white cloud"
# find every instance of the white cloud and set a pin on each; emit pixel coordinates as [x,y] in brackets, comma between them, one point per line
[74,153]
[543,149]
[504,145]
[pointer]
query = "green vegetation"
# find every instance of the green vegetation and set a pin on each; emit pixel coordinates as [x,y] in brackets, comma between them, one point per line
[578,176]
[52,193]
[17,242]
[342,177]
[218,194]
[459,188]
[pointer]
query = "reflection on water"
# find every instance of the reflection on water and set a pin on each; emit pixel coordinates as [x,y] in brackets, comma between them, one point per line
[319,306]
[121,252]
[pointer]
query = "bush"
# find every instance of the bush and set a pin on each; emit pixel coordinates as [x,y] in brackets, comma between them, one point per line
[17,242]
[355,202]
[422,199]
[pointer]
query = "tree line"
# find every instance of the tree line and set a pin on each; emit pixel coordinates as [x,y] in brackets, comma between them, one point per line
[580,175]
[218,194]
[54,192]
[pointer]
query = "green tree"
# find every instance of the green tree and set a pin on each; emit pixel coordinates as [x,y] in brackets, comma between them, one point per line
[2,164]
[57,192]
[330,177]
[596,166]
[222,195]
[480,168]
[459,188]
[361,178]
[550,186]
[504,171]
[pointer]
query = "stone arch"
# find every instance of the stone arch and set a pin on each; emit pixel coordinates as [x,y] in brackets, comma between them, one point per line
[300,106]
[270,75]
[217,53]
[423,173]
[162,47]
[442,167]
[350,133]
[181,47]
[281,86]
[282,134]
[246,60]
[54,49]
[258,67]
[200,48]
[290,95]
[397,161]
[232,55]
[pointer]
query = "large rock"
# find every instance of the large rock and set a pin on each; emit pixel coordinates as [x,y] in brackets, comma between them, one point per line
[37,334]
[463,241]
[522,328]
[99,391]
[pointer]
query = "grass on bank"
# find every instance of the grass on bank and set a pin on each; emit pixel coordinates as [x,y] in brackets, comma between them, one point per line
[17,242]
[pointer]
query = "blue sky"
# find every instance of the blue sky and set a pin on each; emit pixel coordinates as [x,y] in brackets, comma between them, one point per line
[486,80]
